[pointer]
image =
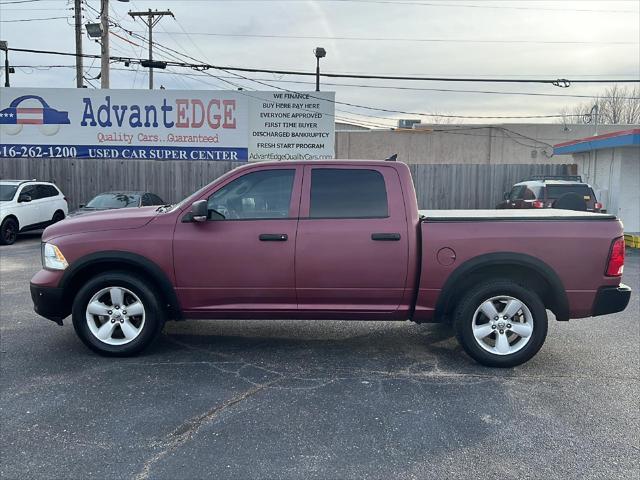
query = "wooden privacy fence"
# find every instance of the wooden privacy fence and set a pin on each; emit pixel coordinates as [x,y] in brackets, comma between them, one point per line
[450,186]
[438,186]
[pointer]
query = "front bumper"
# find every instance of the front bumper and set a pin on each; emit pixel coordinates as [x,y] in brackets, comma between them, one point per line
[49,302]
[611,300]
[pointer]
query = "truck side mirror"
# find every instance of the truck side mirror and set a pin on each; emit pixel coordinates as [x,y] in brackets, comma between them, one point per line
[199,211]
[24,198]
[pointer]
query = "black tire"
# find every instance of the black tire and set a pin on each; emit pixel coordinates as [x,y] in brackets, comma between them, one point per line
[57,216]
[154,315]
[471,302]
[8,231]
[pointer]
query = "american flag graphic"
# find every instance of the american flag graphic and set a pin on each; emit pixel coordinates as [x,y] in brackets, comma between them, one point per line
[29,116]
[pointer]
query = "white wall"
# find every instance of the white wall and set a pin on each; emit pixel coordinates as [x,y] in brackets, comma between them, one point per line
[614,174]
[629,207]
[478,144]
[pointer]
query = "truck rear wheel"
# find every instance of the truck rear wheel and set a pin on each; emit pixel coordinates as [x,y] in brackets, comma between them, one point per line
[501,323]
[116,314]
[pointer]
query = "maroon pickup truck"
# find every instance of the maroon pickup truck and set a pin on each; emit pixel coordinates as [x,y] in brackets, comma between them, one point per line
[329,240]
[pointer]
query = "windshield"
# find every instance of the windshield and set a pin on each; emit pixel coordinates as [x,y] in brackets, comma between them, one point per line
[556,191]
[114,200]
[7,192]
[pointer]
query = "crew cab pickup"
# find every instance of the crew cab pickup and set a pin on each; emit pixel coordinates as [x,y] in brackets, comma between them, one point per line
[329,240]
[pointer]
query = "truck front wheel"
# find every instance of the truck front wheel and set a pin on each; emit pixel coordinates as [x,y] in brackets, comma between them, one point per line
[116,314]
[501,323]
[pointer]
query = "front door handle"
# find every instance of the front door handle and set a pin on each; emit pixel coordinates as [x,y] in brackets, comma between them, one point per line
[385,237]
[273,237]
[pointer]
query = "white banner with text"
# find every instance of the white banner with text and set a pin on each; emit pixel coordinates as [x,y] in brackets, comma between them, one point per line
[167,124]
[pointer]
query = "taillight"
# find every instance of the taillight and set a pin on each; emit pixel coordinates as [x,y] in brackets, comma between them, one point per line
[597,206]
[538,204]
[615,264]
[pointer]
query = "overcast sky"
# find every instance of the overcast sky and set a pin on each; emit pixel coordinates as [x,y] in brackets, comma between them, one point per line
[607,32]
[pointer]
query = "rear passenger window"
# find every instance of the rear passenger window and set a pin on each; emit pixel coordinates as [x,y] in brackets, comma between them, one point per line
[45,191]
[347,193]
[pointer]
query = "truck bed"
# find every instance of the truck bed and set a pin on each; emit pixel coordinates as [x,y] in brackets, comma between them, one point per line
[574,248]
[545,214]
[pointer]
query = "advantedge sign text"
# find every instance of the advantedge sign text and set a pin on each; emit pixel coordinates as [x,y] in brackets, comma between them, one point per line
[186,113]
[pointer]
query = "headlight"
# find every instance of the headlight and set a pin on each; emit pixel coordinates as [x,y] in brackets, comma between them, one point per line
[52,257]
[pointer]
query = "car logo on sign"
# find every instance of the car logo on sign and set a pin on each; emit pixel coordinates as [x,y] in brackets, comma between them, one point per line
[32,110]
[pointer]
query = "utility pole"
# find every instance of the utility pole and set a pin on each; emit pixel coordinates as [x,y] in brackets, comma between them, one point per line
[152,18]
[104,44]
[595,110]
[5,46]
[79,66]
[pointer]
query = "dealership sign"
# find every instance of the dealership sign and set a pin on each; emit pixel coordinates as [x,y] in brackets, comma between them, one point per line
[166,124]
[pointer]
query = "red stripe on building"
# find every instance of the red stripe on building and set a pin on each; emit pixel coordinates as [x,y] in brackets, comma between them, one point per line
[634,131]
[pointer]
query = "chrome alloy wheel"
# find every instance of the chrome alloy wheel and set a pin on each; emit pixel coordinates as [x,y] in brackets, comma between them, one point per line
[502,325]
[115,315]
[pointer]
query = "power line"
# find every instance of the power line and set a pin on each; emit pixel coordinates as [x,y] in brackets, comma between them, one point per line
[557,82]
[496,7]
[23,9]
[31,19]
[452,4]
[399,39]
[383,87]
[19,1]
[366,107]
[394,111]
[404,112]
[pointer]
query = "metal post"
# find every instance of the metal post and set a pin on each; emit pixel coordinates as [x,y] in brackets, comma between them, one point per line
[6,68]
[319,52]
[104,50]
[150,49]
[78,21]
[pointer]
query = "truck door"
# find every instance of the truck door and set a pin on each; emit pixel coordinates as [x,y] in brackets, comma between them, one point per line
[244,262]
[352,245]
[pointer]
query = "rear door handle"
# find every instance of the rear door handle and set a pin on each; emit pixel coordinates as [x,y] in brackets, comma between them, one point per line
[385,237]
[273,237]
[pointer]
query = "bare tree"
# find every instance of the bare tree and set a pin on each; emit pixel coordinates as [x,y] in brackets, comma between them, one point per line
[617,105]
[443,119]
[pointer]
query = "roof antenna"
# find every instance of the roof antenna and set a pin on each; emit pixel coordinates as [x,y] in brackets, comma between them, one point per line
[392,158]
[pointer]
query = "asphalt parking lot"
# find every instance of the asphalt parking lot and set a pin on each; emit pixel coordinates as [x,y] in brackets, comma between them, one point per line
[291,400]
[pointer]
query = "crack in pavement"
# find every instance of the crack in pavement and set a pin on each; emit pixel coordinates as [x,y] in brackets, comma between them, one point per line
[434,371]
[188,429]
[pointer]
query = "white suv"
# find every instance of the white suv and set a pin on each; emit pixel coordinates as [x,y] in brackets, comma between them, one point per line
[28,205]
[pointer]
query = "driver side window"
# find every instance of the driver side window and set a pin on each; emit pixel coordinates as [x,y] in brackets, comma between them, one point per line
[256,195]
[30,190]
